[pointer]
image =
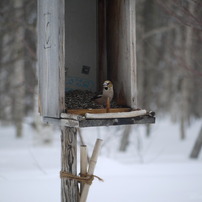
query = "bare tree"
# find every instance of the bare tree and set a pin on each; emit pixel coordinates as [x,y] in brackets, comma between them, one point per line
[169,70]
[18,70]
[125,138]
[17,60]
[197,146]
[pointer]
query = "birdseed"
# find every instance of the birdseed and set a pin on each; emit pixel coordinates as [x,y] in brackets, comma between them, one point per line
[82,99]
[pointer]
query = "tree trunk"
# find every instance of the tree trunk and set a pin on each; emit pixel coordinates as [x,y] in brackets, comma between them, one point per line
[69,188]
[148,130]
[18,71]
[6,94]
[182,128]
[197,146]
[125,138]
[187,84]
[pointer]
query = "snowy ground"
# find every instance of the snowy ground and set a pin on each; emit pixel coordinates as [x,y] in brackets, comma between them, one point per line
[155,169]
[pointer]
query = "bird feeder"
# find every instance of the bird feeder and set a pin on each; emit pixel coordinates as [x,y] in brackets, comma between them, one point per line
[81,44]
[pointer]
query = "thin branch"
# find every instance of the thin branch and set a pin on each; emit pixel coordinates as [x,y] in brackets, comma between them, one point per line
[159,30]
[184,16]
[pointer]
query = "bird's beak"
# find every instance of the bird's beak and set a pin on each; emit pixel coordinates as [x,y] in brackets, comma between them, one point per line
[105,85]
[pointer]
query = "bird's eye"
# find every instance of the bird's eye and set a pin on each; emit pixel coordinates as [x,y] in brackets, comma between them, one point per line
[106,88]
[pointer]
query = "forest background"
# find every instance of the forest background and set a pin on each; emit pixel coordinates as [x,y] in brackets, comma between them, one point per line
[169,58]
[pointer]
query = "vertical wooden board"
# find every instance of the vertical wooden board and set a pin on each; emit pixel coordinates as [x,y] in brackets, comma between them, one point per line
[51,76]
[69,187]
[102,46]
[133,62]
[122,50]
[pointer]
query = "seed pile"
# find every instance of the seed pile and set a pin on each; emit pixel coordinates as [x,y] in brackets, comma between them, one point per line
[81,99]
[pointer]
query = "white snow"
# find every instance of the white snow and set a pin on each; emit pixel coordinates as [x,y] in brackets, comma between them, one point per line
[155,169]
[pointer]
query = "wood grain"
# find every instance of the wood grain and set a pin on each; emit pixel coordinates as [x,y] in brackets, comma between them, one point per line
[102,43]
[61,122]
[121,50]
[117,121]
[50,53]
[101,122]
[83,163]
[116,115]
[69,189]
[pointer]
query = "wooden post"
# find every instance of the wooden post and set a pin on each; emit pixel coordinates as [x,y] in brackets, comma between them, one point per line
[108,105]
[69,188]
[91,169]
[83,163]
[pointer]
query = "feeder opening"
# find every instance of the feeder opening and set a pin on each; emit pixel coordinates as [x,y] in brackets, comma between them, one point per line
[99,48]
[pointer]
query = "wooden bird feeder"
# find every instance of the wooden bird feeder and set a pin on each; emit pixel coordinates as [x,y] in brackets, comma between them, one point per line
[80,45]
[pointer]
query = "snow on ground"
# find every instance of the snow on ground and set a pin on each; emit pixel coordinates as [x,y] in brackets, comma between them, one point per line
[155,169]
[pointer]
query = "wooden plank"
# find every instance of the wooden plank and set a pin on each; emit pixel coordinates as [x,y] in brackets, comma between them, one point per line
[118,121]
[69,187]
[84,111]
[121,50]
[50,51]
[72,116]
[116,115]
[132,99]
[100,122]
[61,122]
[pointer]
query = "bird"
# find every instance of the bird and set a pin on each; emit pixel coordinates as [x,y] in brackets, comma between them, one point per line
[107,93]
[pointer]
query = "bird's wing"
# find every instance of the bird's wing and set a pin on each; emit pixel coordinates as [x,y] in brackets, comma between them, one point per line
[96,97]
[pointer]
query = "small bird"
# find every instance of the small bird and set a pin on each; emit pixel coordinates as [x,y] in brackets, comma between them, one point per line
[107,92]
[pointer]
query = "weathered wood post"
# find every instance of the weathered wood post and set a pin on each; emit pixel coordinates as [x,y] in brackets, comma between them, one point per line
[69,189]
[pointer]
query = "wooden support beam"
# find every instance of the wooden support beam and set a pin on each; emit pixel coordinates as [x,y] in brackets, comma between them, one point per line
[117,121]
[69,188]
[62,122]
[76,117]
[100,122]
